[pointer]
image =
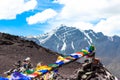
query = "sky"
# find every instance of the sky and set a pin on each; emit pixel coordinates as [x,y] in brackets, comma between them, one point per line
[35,17]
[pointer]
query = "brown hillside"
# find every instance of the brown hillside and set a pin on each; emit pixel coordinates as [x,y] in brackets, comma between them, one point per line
[14,48]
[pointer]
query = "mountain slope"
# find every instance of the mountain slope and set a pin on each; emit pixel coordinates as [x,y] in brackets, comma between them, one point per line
[67,40]
[13,48]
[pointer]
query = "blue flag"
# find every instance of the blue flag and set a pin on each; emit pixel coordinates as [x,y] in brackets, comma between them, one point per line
[19,76]
[1,78]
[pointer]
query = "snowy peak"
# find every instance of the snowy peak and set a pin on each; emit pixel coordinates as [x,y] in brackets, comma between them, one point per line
[66,40]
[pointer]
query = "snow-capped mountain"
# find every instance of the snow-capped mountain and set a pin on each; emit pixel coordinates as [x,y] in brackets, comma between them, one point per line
[66,40]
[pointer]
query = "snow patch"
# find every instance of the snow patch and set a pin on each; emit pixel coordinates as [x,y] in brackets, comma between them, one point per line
[88,38]
[110,38]
[72,45]
[57,37]
[45,37]
[93,34]
[57,47]
[116,78]
[64,46]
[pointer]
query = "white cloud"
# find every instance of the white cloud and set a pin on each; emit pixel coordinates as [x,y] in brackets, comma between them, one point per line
[10,8]
[41,17]
[81,13]
[87,10]
[110,27]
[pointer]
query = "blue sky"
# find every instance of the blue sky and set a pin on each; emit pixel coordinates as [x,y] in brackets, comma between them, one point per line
[19,25]
[34,17]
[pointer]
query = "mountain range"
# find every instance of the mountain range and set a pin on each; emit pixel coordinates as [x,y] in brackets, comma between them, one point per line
[14,48]
[66,40]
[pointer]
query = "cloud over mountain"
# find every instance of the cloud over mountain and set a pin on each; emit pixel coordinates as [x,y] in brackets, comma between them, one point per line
[104,13]
[41,17]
